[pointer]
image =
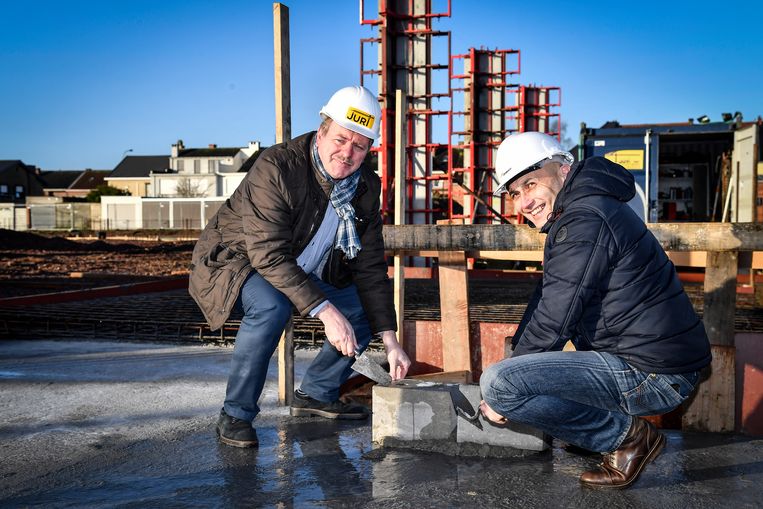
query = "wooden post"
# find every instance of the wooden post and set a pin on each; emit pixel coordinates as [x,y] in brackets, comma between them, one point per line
[283,133]
[720,296]
[454,310]
[399,269]
[286,365]
[282,76]
[712,408]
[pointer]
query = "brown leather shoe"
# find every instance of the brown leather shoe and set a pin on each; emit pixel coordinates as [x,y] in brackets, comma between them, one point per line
[621,468]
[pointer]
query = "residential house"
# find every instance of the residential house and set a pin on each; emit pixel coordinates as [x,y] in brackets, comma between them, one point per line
[133,173]
[72,184]
[19,180]
[204,172]
[184,191]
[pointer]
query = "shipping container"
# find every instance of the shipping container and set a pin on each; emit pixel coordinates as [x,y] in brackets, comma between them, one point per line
[685,172]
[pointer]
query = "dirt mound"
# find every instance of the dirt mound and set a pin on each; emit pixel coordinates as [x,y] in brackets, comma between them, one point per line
[11,239]
[26,241]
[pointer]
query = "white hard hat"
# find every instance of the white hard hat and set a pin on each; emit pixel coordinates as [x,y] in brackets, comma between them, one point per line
[356,109]
[523,152]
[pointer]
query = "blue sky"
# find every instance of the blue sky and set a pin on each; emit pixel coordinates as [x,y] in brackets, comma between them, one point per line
[83,81]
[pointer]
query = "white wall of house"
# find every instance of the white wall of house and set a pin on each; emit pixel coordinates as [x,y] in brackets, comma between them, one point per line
[229,183]
[132,213]
[209,165]
[214,176]
[121,212]
[165,185]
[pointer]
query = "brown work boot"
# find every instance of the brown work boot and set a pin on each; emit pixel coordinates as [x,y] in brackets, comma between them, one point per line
[619,469]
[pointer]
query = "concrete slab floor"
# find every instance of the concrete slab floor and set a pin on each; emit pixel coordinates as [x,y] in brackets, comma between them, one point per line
[100,424]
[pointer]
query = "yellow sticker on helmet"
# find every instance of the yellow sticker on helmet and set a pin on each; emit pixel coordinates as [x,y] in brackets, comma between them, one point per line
[360,117]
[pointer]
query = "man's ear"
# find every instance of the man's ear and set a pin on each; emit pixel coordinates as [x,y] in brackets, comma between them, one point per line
[565,169]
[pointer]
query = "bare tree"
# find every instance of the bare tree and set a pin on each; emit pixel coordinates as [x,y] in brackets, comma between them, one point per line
[188,188]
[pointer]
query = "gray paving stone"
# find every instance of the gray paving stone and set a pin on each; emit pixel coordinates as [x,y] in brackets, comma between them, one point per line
[514,435]
[413,410]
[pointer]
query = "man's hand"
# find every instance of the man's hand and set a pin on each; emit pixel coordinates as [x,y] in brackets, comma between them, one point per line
[396,356]
[491,415]
[338,329]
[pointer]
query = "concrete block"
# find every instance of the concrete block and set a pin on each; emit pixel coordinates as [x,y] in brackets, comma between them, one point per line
[518,436]
[413,410]
[423,414]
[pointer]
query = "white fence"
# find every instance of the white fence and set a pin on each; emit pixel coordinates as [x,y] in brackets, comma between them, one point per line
[53,216]
[133,213]
[113,213]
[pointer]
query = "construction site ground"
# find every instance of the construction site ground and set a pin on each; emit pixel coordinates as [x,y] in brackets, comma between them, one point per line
[32,264]
[112,402]
[105,424]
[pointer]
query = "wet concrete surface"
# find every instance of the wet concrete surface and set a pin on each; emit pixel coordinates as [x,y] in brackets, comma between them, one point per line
[99,424]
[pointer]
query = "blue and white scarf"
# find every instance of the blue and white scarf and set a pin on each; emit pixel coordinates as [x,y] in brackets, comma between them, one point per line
[346,235]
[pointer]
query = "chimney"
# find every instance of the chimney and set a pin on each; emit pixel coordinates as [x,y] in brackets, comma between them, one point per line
[213,145]
[177,147]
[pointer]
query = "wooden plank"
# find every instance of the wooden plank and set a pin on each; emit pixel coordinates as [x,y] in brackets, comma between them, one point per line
[510,237]
[720,297]
[713,406]
[460,377]
[679,258]
[283,133]
[709,236]
[463,237]
[525,256]
[282,71]
[286,365]
[399,262]
[454,311]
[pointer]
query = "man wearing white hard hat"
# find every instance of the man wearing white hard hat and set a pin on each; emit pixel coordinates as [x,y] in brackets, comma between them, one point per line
[303,230]
[610,289]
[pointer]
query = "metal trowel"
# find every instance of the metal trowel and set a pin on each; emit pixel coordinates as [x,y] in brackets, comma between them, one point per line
[368,367]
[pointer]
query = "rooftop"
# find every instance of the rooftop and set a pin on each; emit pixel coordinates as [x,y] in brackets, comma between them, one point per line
[139,166]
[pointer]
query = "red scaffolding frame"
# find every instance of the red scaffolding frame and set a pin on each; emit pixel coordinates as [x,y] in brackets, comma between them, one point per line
[490,113]
[406,36]
[493,108]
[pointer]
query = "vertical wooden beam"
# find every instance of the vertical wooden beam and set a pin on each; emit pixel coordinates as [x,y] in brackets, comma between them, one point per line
[286,365]
[282,75]
[712,407]
[399,269]
[283,133]
[454,310]
[720,296]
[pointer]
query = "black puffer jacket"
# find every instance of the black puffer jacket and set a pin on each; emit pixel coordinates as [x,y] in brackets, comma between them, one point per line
[268,222]
[607,283]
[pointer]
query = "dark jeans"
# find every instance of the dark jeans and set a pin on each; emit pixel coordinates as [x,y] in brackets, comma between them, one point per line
[584,398]
[266,311]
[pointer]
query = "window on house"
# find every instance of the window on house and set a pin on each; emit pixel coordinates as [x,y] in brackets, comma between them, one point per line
[180,165]
[20,195]
[212,166]
[3,190]
[196,166]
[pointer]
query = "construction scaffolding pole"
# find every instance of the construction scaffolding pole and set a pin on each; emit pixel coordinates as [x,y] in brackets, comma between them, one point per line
[406,63]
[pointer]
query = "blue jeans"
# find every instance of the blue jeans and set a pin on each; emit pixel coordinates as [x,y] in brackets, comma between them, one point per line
[266,311]
[584,398]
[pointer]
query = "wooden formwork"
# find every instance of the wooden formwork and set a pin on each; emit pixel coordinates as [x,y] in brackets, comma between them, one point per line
[712,408]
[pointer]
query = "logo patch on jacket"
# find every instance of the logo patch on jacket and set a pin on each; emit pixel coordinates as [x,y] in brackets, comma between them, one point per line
[561,234]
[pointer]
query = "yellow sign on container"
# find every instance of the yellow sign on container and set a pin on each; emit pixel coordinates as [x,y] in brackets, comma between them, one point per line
[628,159]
